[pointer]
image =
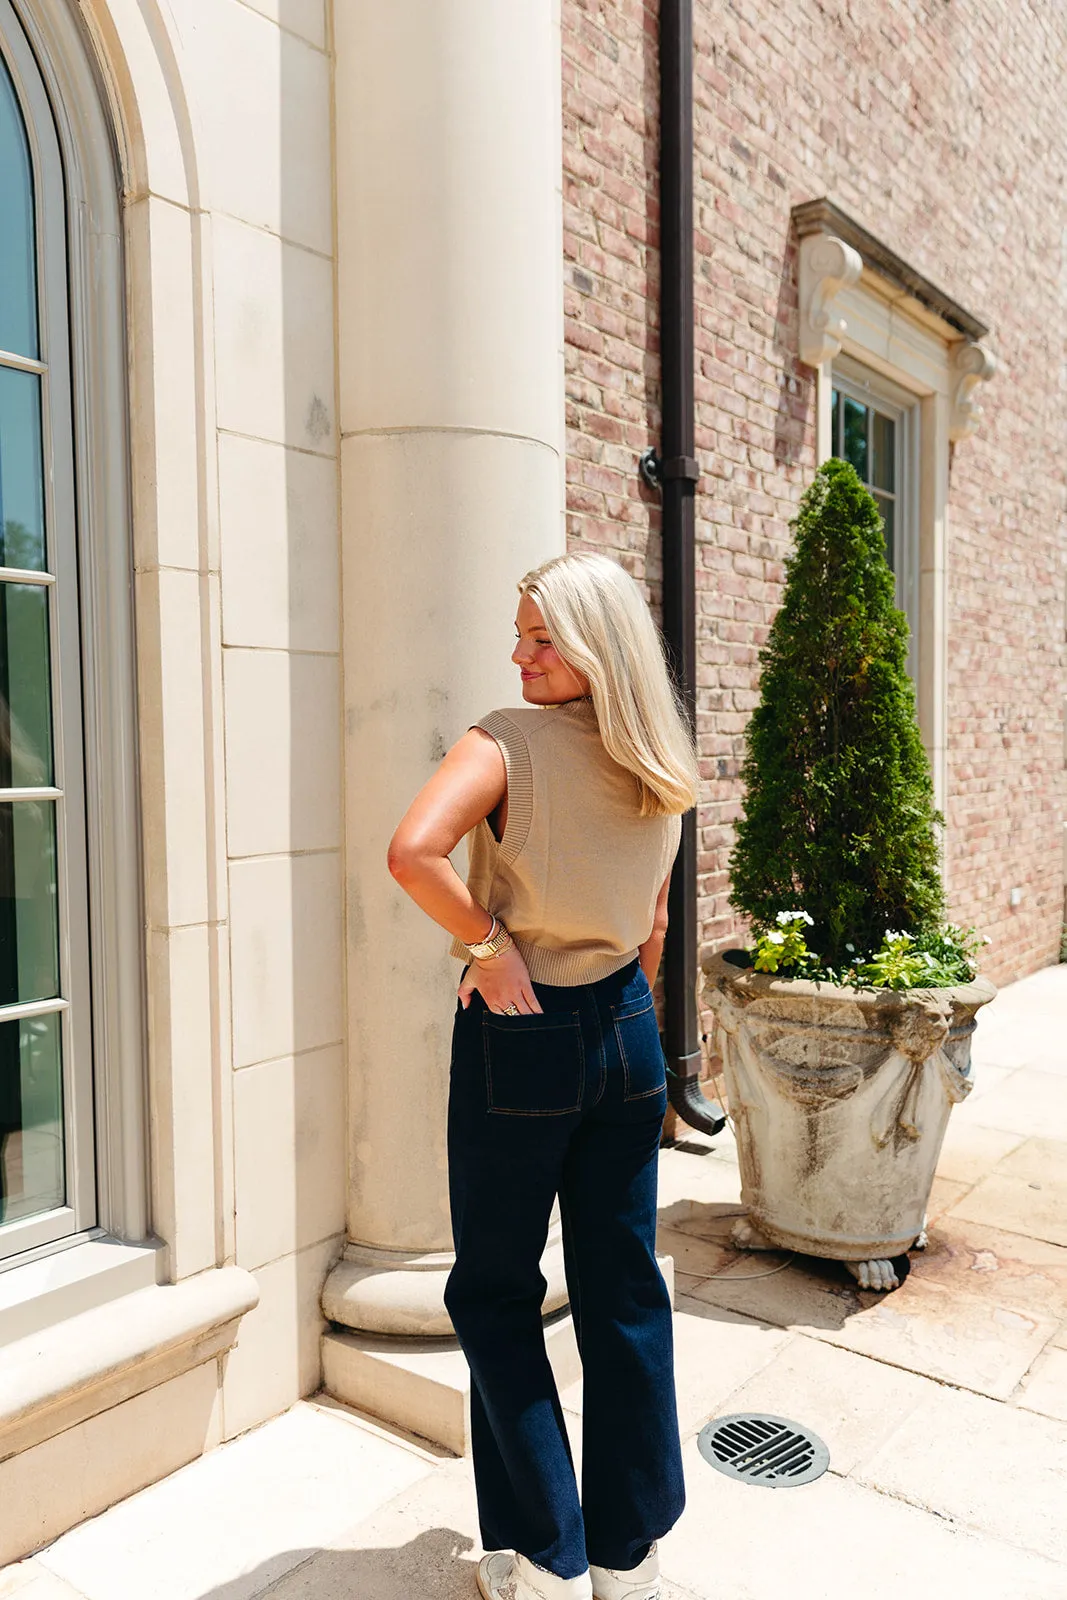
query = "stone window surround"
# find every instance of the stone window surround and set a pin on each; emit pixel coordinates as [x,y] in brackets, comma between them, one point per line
[859,299]
[151,1291]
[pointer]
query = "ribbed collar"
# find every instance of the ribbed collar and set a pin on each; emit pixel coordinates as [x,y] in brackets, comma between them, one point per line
[581,708]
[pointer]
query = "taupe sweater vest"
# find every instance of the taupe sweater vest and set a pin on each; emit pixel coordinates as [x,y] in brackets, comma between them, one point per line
[576,875]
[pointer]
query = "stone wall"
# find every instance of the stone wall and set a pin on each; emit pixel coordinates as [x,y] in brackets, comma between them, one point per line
[941,128]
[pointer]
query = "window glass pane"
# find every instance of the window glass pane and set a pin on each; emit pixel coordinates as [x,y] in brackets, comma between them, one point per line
[29,944]
[887,508]
[835,422]
[18,279]
[25,697]
[883,470]
[21,478]
[856,436]
[31,1117]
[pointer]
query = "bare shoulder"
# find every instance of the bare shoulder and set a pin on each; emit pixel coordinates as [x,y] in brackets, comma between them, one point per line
[476,750]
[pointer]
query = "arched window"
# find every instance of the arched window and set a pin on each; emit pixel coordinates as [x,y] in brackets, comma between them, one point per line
[46,1132]
[63,885]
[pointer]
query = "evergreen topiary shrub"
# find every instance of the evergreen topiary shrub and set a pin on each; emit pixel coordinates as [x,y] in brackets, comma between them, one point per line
[839,815]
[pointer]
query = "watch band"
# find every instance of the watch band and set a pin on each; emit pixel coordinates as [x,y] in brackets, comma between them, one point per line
[498,941]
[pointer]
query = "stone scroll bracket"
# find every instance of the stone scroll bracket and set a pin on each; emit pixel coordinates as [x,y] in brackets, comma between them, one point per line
[827,265]
[972,364]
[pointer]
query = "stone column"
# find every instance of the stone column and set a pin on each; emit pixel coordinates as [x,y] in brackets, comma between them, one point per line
[451,405]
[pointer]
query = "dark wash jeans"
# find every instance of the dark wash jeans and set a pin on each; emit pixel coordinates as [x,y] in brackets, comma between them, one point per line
[568,1103]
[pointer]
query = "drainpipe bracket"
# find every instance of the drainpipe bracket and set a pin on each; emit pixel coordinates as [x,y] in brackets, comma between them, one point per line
[650,467]
[685,467]
[656,472]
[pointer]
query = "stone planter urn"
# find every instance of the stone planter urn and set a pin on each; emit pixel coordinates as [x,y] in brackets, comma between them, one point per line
[840,1099]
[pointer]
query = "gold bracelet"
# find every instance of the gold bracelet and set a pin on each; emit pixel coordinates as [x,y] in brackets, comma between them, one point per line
[507,944]
[498,941]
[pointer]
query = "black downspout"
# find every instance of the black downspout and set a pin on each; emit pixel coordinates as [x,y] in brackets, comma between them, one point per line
[678,474]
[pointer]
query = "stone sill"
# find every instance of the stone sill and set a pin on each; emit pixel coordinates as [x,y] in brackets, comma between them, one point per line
[57,1376]
[60,1285]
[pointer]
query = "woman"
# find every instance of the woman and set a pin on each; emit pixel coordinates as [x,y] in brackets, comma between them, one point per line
[572,804]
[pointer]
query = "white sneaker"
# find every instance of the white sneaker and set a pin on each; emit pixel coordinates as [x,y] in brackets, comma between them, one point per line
[641,1583]
[504,1576]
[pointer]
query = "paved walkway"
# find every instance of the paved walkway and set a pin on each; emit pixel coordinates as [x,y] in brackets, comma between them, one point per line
[944,1406]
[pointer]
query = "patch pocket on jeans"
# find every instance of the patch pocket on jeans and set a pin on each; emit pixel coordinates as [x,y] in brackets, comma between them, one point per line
[534,1065]
[644,1069]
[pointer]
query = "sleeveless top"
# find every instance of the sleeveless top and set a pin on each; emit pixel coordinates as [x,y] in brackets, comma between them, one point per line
[576,875]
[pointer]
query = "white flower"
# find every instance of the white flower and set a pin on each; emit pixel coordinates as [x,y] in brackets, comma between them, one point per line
[776,938]
[851,948]
[785,917]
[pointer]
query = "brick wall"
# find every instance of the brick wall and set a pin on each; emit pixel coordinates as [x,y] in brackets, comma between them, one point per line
[941,127]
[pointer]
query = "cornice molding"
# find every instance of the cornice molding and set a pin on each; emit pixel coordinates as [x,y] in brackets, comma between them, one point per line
[834,249]
[827,265]
[824,217]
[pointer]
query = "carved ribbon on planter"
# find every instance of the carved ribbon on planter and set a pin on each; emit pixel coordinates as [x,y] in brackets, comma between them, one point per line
[919,1035]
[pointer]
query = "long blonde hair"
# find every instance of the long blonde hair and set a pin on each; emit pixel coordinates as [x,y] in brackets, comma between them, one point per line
[600,625]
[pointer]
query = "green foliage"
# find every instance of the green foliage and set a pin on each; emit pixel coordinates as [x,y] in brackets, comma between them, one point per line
[784,947]
[838,813]
[934,960]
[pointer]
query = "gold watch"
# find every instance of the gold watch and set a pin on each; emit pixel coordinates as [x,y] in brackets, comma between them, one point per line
[497,942]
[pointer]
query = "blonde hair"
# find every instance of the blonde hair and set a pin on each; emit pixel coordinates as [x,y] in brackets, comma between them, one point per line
[602,628]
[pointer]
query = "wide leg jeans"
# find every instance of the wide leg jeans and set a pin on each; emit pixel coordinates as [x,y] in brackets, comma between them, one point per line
[569,1103]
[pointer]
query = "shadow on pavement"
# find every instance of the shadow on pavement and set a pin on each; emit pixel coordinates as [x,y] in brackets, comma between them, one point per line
[432,1566]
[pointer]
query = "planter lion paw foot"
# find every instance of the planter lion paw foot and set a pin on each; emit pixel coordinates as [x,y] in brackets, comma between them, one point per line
[873,1274]
[744,1235]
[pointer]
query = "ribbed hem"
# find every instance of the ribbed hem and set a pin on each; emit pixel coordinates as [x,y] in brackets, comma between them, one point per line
[562,968]
[567,968]
[512,744]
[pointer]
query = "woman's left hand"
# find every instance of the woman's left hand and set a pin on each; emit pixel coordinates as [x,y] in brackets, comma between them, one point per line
[502,981]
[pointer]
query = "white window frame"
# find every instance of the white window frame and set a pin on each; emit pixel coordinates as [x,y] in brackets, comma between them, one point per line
[863,383]
[60,580]
[79,206]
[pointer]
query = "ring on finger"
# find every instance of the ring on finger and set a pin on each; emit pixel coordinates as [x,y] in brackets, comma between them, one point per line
[511,1011]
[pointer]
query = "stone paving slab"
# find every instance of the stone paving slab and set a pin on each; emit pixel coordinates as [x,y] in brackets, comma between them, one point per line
[1025,1193]
[835,1538]
[1026,1102]
[1045,1388]
[1006,1269]
[970,1151]
[939,1332]
[28,1580]
[230,1523]
[853,1403]
[1024,1025]
[421,1543]
[990,1467]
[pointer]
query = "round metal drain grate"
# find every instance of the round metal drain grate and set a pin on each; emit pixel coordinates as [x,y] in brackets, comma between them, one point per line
[771,1452]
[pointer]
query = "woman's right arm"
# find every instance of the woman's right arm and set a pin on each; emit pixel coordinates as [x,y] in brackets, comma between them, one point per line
[469,784]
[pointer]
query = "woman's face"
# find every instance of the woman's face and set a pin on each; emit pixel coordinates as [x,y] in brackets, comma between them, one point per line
[546,678]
